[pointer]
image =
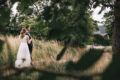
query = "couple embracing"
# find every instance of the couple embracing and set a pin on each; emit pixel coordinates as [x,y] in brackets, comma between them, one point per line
[24,55]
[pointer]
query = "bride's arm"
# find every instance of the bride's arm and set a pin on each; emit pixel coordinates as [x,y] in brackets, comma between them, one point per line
[28,40]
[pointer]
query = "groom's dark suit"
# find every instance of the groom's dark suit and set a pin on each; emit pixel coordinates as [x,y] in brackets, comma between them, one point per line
[30,45]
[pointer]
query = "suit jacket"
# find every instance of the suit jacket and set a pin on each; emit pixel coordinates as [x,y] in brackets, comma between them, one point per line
[31,44]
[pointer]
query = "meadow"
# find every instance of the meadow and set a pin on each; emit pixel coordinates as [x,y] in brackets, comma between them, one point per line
[74,61]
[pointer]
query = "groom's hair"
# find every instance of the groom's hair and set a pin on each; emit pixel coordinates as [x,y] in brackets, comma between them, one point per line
[27,26]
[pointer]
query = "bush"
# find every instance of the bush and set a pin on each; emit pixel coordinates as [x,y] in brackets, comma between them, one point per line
[100,40]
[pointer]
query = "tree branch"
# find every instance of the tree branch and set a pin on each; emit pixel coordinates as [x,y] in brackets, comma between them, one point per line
[108,5]
[32,69]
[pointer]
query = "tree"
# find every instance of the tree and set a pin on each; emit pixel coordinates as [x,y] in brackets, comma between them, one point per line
[69,19]
[63,18]
[108,23]
[116,29]
[39,29]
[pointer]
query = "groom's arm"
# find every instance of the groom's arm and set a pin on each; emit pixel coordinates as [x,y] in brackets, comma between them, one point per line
[28,40]
[28,34]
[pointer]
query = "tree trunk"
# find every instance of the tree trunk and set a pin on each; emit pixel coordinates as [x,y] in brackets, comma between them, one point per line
[116,29]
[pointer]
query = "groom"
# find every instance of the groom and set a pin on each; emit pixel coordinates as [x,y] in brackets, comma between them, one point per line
[30,45]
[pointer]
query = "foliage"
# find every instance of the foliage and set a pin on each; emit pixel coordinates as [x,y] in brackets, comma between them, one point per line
[87,60]
[62,20]
[66,19]
[100,40]
[1,45]
[112,72]
[58,21]
[39,29]
[108,23]
[4,17]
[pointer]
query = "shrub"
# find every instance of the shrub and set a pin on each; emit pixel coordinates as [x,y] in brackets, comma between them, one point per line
[100,40]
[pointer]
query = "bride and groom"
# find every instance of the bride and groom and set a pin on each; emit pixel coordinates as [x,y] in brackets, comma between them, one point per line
[24,55]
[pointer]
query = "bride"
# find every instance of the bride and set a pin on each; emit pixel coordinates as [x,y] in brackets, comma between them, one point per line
[23,56]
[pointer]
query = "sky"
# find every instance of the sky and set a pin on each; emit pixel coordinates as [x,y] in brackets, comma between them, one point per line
[14,8]
[99,17]
[95,15]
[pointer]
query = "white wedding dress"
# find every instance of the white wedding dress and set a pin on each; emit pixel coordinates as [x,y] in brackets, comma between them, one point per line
[23,56]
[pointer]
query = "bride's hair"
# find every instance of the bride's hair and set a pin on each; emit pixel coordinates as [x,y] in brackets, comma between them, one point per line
[22,33]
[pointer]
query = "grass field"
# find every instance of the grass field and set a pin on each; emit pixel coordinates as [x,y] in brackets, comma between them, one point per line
[74,60]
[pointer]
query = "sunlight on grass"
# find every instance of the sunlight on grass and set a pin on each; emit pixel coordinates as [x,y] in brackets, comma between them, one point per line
[44,57]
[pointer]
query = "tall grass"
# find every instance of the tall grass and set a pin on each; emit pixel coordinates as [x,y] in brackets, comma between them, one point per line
[45,53]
